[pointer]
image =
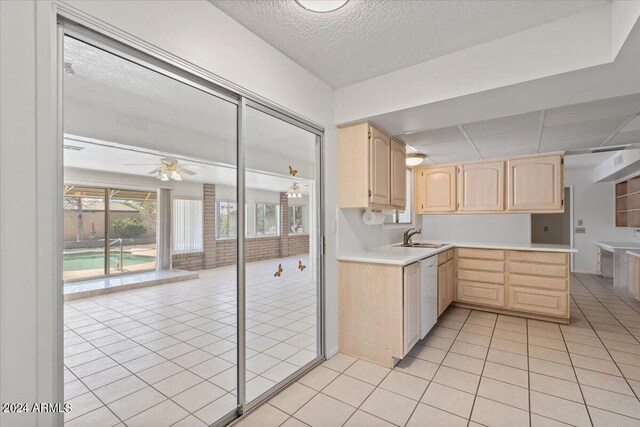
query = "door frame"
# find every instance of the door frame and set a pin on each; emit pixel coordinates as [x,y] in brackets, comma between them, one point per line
[72,23]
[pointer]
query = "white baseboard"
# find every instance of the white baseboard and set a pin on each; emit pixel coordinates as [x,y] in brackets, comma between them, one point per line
[333,352]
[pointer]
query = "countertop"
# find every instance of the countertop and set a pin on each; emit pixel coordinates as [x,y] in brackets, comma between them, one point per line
[634,253]
[405,256]
[610,246]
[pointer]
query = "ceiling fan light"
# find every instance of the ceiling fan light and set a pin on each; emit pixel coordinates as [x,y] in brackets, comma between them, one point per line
[175,175]
[322,5]
[414,159]
[164,176]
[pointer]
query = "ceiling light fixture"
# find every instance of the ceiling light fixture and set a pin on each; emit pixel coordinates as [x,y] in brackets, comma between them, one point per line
[322,5]
[414,159]
[294,192]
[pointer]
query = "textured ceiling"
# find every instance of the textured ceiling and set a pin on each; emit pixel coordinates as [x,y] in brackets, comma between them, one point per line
[368,38]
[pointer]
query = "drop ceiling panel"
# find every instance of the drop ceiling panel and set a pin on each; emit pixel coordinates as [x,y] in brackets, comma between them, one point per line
[446,147]
[625,138]
[634,124]
[455,157]
[581,130]
[434,136]
[579,161]
[529,137]
[503,125]
[520,150]
[596,110]
[570,144]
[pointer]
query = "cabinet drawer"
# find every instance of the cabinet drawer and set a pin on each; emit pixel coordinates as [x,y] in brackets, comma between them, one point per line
[537,282]
[481,265]
[442,257]
[539,301]
[449,254]
[539,257]
[480,253]
[546,270]
[480,293]
[481,276]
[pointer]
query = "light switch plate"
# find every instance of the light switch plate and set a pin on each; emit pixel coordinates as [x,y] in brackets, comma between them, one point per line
[581,230]
[579,222]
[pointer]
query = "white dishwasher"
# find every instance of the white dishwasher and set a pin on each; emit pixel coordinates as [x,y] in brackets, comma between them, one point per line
[429,292]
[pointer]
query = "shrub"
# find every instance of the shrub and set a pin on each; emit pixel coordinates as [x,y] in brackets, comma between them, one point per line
[129,227]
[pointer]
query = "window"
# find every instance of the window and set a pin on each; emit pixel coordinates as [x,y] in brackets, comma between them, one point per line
[266,219]
[187,226]
[296,222]
[227,220]
[403,217]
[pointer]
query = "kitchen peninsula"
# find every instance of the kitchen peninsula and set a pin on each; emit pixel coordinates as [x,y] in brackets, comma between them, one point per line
[389,298]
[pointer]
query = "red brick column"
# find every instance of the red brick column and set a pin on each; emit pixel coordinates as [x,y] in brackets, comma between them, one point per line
[284,225]
[209,225]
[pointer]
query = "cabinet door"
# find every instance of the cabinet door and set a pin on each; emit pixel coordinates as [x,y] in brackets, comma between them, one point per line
[539,301]
[634,277]
[411,306]
[481,187]
[379,168]
[435,190]
[442,288]
[398,174]
[535,184]
[450,282]
[480,293]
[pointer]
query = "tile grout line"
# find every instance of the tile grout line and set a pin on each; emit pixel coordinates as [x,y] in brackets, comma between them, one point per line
[475,397]
[609,353]
[573,368]
[438,368]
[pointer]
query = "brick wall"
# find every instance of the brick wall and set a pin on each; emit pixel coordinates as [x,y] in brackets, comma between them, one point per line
[298,244]
[256,249]
[191,261]
[284,225]
[209,225]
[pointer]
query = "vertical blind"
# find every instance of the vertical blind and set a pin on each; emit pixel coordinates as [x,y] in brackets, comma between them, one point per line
[187,226]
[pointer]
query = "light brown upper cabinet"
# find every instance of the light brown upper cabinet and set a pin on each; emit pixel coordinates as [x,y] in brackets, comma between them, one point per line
[535,184]
[435,189]
[398,174]
[531,184]
[372,169]
[379,168]
[481,187]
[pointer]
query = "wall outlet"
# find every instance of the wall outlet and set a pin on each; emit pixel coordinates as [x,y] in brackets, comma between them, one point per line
[581,230]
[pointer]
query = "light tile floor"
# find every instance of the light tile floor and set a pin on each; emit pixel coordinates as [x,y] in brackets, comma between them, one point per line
[477,368]
[166,355]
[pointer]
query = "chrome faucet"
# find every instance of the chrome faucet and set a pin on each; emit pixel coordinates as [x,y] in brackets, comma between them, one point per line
[409,234]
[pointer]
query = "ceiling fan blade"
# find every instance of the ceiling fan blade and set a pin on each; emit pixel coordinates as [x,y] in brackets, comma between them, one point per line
[187,171]
[139,164]
[155,171]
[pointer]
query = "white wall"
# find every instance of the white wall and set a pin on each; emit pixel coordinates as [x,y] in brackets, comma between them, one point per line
[593,203]
[504,228]
[196,32]
[355,235]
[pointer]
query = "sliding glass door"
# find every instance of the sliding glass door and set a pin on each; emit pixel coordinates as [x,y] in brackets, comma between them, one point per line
[201,210]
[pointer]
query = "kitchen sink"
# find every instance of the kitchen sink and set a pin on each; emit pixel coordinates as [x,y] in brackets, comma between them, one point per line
[422,245]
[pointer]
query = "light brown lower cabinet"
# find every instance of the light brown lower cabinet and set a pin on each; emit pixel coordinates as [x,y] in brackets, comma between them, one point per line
[446,280]
[634,276]
[527,283]
[379,307]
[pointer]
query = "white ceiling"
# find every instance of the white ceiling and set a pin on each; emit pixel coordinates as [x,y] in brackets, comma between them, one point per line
[607,122]
[368,38]
[134,161]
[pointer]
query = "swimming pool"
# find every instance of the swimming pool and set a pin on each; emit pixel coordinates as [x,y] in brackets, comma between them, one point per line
[92,260]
